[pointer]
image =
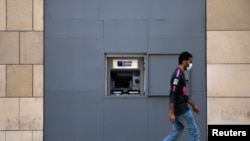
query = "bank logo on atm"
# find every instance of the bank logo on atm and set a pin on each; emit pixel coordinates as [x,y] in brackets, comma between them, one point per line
[124,63]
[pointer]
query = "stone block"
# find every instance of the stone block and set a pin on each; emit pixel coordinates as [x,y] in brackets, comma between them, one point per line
[228,15]
[19,13]
[228,110]
[19,136]
[31,113]
[228,80]
[38,15]
[38,80]
[31,47]
[2,80]
[2,15]
[228,47]
[37,136]
[9,48]
[19,80]
[9,117]
[2,135]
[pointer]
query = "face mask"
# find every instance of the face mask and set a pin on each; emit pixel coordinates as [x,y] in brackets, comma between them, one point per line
[189,67]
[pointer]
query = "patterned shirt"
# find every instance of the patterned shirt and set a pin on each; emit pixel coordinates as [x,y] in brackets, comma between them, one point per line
[178,92]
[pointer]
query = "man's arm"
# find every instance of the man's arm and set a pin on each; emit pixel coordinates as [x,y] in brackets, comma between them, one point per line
[194,106]
[171,103]
[171,112]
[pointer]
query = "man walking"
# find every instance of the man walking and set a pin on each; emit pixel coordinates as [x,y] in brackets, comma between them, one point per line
[179,113]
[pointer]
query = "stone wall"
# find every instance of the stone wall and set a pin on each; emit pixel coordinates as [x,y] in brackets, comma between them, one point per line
[21,70]
[228,61]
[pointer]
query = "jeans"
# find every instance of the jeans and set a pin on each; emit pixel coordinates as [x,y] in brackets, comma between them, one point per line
[185,120]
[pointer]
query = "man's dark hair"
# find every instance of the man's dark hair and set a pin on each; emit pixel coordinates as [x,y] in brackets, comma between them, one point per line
[184,56]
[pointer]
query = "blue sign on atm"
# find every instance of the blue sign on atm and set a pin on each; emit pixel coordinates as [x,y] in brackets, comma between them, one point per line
[124,63]
[133,63]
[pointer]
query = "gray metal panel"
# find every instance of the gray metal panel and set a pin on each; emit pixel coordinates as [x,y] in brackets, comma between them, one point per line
[61,28]
[175,45]
[56,30]
[176,28]
[125,9]
[73,116]
[160,70]
[159,125]
[125,119]
[72,9]
[71,62]
[174,36]
[75,42]
[199,68]
[125,36]
[178,9]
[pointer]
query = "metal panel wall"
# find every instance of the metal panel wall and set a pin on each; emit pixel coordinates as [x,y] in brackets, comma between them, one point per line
[78,33]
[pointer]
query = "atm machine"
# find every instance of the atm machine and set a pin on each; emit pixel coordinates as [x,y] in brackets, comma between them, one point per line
[125,76]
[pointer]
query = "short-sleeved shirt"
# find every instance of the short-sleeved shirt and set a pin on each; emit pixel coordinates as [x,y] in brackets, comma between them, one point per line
[178,92]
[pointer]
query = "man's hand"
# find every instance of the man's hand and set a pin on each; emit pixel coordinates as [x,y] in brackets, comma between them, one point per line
[196,109]
[171,117]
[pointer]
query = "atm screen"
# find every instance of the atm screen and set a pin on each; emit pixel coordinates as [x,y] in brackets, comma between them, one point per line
[121,79]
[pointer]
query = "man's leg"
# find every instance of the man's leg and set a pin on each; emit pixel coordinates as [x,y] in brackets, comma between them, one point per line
[176,133]
[188,121]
